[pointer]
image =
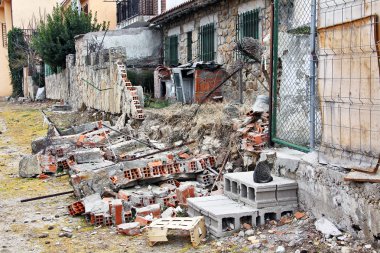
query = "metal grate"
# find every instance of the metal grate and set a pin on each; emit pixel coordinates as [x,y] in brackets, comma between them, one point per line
[207,42]
[291,74]
[248,24]
[348,80]
[171,50]
[4,34]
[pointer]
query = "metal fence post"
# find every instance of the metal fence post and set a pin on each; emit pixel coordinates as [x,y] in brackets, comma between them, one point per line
[312,72]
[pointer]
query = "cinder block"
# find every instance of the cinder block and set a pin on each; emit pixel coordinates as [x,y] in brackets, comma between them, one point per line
[223,216]
[240,186]
[274,213]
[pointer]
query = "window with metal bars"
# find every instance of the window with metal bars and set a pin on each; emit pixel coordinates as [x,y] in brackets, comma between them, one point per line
[248,24]
[171,50]
[4,34]
[207,42]
[189,46]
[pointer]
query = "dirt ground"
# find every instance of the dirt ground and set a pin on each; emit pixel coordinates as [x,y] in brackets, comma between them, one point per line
[35,226]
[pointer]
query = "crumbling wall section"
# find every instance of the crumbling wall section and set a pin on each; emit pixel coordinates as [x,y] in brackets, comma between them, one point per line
[91,75]
[57,85]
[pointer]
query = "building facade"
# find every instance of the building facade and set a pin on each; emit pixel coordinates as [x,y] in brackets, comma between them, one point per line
[209,31]
[105,10]
[136,13]
[16,13]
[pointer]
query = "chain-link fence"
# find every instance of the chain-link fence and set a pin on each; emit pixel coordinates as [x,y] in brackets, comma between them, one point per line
[348,81]
[291,73]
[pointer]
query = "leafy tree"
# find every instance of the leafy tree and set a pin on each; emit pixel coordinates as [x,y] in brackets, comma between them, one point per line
[17,58]
[54,38]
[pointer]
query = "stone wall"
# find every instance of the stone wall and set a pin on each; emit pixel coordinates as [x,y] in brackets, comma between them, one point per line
[91,77]
[224,15]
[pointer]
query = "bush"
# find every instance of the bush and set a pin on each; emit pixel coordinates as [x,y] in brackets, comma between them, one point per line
[55,36]
[17,57]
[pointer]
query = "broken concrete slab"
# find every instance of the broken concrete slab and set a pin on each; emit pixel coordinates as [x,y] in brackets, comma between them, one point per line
[130,229]
[29,166]
[94,155]
[39,144]
[61,108]
[327,228]
[94,204]
[287,159]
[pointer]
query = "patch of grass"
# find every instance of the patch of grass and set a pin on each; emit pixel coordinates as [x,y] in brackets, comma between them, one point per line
[186,248]
[156,103]
[23,126]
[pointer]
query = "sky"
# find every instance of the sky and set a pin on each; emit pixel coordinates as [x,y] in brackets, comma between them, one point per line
[173,3]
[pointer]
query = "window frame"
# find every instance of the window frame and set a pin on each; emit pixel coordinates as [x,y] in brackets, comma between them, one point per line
[171,50]
[248,24]
[207,47]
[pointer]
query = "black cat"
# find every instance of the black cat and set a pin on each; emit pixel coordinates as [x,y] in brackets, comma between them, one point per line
[262,172]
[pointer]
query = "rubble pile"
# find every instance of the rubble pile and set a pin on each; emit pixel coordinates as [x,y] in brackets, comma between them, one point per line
[121,180]
[254,129]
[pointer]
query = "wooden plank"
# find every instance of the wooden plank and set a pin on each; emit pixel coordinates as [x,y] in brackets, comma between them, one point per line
[348,65]
[158,229]
[157,235]
[357,176]
[349,86]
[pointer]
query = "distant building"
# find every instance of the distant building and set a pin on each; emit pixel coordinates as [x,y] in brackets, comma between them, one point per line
[136,13]
[208,31]
[105,10]
[16,13]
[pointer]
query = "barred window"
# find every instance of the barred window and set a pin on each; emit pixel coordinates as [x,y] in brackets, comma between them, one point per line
[207,42]
[171,50]
[248,24]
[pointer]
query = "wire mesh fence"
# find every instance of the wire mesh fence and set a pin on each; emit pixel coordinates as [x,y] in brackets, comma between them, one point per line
[348,80]
[291,74]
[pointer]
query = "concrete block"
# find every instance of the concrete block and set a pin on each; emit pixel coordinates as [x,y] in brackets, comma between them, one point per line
[274,213]
[241,187]
[287,159]
[88,156]
[94,204]
[223,216]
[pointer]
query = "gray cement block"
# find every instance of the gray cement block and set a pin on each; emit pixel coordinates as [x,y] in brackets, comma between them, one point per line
[287,159]
[241,187]
[223,216]
[274,213]
[93,155]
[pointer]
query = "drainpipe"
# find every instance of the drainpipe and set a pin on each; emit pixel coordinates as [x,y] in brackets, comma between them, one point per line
[271,74]
[312,72]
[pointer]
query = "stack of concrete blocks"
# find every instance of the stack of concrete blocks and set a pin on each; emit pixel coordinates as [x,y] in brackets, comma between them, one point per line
[245,202]
[222,215]
[130,93]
